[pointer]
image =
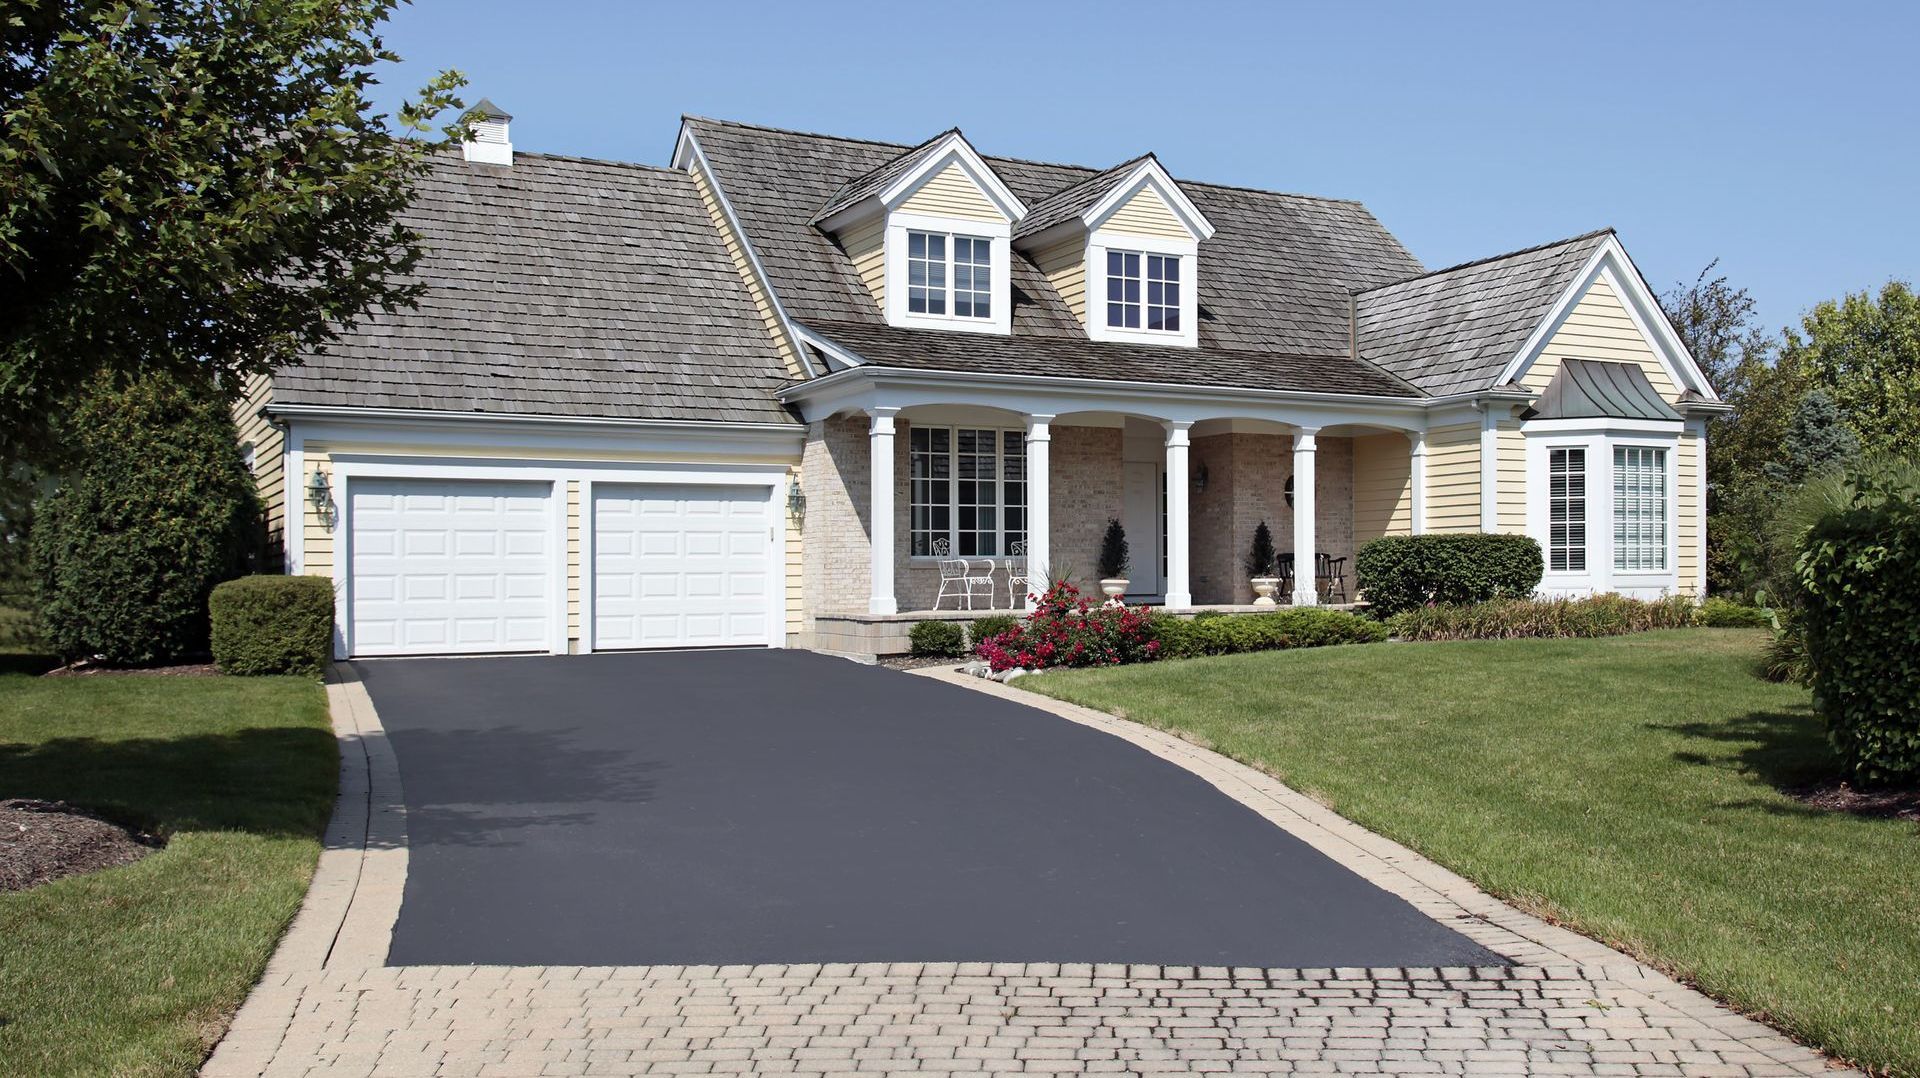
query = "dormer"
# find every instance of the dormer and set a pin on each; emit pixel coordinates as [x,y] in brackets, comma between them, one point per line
[930,234]
[1123,248]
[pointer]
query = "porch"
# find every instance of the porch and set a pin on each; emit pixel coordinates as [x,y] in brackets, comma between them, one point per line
[872,636]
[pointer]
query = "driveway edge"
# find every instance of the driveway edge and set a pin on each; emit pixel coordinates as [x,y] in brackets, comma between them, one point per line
[346,920]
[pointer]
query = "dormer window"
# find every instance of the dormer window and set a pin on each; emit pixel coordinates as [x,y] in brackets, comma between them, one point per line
[936,258]
[1143,289]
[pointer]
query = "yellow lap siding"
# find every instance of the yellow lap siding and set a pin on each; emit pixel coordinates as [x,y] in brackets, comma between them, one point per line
[866,244]
[1599,327]
[1066,266]
[1453,478]
[795,596]
[1511,470]
[1688,509]
[1382,487]
[951,193]
[268,464]
[1146,214]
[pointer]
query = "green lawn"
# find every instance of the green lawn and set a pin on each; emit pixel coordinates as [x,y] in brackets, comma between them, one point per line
[135,970]
[1622,786]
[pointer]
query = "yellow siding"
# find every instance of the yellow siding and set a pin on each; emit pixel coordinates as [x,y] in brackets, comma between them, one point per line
[1382,487]
[755,287]
[1146,214]
[269,465]
[1066,266]
[1599,327]
[574,573]
[951,193]
[866,244]
[1687,507]
[1511,472]
[318,537]
[796,606]
[1453,479]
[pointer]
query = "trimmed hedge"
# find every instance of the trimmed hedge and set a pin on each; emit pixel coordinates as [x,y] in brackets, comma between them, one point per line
[940,638]
[1860,613]
[1508,619]
[272,625]
[1717,613]
[1306,627]
[1401,572]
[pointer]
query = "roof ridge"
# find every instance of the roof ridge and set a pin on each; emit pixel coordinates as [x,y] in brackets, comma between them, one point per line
[834,202]
[1608,231]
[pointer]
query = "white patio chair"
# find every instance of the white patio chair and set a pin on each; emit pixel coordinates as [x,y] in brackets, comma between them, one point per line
[979,578]
[1018,580]
[953,578]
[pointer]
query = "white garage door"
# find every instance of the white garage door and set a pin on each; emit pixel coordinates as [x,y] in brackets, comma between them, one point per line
[440,566]
[680,566]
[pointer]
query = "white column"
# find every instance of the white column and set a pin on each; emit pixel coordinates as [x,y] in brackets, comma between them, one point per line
[880,502]
[1304,591]
[1418,479]
[1489,468]
[1039,509]
[1179,548]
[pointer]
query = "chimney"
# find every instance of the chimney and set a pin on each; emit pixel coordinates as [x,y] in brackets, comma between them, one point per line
[489,144]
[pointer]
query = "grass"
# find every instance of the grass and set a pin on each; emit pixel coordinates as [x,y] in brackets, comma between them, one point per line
[1627,787]
[136,970]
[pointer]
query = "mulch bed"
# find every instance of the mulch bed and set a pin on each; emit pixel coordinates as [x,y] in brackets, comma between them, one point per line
[89,669]
[1894,804]
[42,841]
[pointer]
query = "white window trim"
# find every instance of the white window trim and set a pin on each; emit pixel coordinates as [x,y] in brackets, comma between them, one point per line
[953,489]
[998,235]
[1599,438]
[1098,245]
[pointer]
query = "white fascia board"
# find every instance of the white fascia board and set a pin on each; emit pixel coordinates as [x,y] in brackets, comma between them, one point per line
[421,427]
[1149,173]
[845,356]
[954,148]
[1609,262]
[687,153]
[1653,428]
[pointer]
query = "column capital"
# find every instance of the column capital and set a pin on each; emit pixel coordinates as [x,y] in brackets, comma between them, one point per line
[1419,440]
[880,420]
[1039,427]
[1305,441]
[1177,432]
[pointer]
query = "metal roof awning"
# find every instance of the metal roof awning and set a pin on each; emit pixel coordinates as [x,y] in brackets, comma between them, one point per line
[1592,389]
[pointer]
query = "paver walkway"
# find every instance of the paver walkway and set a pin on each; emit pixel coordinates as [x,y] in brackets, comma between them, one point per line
[328,1005]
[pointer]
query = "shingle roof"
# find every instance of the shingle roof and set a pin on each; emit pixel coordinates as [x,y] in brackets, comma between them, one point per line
[561,287]
[880,178]
[1455,329]
[1274,282]
[1069,203]
[1593,389]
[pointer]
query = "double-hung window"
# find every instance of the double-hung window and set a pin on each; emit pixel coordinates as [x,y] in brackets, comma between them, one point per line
[949,273]
[1143,289]
[1567,510]
[1639,509]
[967,486]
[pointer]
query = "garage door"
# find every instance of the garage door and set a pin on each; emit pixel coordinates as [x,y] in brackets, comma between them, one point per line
[441,566]
[680,566]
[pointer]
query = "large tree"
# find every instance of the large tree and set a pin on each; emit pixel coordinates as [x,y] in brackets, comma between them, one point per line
[1864,351]
[200,187]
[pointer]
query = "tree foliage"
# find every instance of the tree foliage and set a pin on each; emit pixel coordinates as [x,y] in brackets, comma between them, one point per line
[1865,352]
[1817,439]
[193,186]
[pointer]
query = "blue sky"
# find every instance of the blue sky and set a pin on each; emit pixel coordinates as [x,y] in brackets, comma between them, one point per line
[1782,139]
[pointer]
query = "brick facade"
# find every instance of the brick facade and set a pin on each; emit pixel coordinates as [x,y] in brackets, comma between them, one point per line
[1246,484]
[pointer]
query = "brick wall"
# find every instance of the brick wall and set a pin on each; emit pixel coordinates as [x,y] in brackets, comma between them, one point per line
[1246,484]
[834,474]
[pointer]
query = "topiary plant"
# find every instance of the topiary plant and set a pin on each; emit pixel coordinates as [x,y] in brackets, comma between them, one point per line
[1114,559]
[1261,558]
[156,509]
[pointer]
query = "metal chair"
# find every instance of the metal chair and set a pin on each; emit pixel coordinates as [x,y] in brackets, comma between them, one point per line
[1018,582]
[979,578]
[953,578]
[1285,564]
[1329,576]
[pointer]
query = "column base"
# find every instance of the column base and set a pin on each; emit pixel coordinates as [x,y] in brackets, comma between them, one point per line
[1306,598]
[883,604]
[1179,600]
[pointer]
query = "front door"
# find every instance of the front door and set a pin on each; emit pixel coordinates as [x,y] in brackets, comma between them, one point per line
[1145,523]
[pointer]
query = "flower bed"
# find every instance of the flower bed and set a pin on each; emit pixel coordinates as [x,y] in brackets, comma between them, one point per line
[1068,629]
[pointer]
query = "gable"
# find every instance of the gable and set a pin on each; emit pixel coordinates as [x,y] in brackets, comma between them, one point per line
[950,192]
[1146,214]
[1600,327]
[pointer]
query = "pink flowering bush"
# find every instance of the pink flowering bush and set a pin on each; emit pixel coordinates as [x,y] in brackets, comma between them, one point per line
[1068,629]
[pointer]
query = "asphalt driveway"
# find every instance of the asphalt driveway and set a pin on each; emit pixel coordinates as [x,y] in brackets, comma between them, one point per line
[784,807]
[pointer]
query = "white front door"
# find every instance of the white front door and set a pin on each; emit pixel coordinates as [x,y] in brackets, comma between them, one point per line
[1141,515]
[680,566]
[438,566]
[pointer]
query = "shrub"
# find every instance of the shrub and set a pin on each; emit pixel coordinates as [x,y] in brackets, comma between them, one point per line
[1261,558]
[272,625]
[1506,619]
[991,625]
[1302,627]
[1718,613]
[157,509]
[1860,616]
[1209,615]
[1114,559]
[1401,572]
[938,638]
[1067,629]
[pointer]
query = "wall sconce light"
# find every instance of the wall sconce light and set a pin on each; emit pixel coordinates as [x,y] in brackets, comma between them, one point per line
[1289,492]
[796,499]
[320,496]
[1200,476]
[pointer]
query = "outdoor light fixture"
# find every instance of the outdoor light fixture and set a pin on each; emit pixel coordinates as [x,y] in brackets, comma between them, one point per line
[1289,492]
[1200,476]
[320,496]
[796,499]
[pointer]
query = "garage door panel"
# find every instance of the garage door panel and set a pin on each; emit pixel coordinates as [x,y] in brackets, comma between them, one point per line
[440,566]
[680,566]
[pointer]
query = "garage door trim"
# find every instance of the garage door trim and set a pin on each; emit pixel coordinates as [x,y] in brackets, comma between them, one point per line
[346,467]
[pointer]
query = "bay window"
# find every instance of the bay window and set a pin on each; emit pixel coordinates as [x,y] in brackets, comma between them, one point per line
[1639,509]
[967,486]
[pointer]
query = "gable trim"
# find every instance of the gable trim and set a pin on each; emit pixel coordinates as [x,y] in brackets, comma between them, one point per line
[1149,174]
[954,149]
[1609,263]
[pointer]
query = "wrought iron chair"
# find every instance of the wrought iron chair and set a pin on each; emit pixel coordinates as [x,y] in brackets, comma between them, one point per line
[1285,563]
[1018,582]
[1330,575]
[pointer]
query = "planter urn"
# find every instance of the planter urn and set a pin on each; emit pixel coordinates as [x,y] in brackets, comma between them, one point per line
[1263,587]
[1114,587]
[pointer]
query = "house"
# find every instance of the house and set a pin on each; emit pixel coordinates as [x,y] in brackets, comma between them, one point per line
[753,398]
